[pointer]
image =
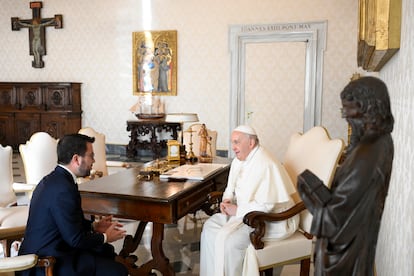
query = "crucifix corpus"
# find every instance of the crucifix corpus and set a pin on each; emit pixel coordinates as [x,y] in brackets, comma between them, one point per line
[37,27]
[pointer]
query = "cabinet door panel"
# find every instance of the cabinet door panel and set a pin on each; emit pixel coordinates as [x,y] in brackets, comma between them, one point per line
[54,124]
[6,129]
[8,98]
[25,125]
[30,98]
[57,98]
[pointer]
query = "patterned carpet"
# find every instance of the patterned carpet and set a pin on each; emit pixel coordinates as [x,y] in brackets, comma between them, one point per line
[181,241]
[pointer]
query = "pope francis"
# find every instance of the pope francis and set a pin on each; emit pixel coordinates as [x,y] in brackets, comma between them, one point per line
[257,182]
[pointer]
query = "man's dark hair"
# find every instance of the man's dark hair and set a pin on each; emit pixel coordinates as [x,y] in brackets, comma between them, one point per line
[72,144]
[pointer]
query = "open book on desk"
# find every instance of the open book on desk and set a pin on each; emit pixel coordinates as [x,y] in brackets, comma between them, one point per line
[194,172]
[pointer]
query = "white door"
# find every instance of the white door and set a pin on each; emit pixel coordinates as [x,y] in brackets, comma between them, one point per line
[274,98]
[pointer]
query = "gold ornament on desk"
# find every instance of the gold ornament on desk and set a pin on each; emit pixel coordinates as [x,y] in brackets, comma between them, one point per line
[183,118]
[173,152]
[190,155]
[206,155]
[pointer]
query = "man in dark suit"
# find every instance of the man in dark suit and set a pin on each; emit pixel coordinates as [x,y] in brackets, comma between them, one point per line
[56,225]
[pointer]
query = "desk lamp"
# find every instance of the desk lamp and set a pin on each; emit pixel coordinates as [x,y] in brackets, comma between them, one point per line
[182,118]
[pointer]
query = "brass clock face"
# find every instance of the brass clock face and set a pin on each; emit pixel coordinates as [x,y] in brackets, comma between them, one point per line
[173,150]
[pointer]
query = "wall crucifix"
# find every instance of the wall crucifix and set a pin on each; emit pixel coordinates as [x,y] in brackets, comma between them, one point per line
[37,27]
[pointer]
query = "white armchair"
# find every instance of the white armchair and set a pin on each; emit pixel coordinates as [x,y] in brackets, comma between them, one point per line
[316,152]
[8,188]
[101,165]
[39,156]
[11,264]
[11,216]
[12,225]
[8,265]
[8,196]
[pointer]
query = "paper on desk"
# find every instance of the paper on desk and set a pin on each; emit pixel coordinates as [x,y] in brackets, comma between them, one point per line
[194,172]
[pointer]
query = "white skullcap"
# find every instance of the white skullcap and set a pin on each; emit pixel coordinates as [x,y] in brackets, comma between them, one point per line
[246,129]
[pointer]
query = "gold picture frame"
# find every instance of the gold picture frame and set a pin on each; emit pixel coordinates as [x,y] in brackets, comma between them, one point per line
[154,63]
[379,32]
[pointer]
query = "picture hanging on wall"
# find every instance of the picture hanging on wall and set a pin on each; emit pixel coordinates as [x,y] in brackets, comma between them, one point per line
[379,33]
[154,63]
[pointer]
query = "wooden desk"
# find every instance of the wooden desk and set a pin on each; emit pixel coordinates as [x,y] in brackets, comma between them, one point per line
[153,128]
[161,202]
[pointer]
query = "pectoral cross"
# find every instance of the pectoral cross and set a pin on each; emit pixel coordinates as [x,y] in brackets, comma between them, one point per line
[37,27]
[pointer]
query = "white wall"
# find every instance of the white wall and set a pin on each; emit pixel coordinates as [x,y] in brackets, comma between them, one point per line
[94,47]
[395,250]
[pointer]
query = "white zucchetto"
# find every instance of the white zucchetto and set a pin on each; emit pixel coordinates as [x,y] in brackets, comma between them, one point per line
[246,129]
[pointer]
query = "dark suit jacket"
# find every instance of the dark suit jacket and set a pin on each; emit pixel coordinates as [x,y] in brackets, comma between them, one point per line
[56,227]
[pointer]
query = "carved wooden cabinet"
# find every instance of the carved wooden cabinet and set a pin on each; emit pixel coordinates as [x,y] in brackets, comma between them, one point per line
[29,107]
[151,128]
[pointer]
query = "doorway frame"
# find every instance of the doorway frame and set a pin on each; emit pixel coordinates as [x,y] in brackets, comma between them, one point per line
[312,33]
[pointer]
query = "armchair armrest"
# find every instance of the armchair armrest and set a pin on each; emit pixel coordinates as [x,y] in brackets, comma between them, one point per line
[256,220]
[47,262]
[18,263]
[24,262]
[214,197]
[9,233]
[23,187]
[212,206]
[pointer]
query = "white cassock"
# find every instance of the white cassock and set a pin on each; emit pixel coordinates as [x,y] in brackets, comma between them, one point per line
[260,183]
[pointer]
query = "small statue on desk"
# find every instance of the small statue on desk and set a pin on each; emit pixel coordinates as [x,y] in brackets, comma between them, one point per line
[205,143]
[347,217]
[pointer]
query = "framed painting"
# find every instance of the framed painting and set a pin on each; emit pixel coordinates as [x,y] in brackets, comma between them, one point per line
[379,32]
[154,63]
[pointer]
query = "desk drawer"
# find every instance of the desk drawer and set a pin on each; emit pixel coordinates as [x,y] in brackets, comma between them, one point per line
[193,201]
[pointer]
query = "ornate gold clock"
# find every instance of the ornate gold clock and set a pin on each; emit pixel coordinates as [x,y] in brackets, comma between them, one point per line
[173,153]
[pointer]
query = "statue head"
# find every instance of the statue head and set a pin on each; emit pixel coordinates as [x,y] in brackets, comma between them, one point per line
[366,107]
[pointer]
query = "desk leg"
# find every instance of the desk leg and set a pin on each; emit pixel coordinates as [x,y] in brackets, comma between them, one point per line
[159,261]
[131,243]
[129,246]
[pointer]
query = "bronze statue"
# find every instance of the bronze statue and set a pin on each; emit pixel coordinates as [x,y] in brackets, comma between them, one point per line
[347,217]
